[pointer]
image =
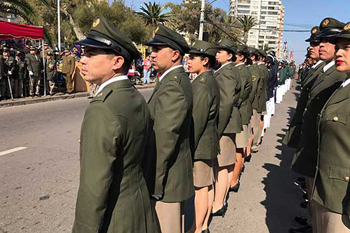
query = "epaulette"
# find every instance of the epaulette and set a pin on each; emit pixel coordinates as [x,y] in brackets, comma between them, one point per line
[175,78]
[202,79]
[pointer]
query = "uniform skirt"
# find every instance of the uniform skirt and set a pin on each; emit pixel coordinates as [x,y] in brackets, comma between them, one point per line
[203,174]
[242,137]
[227,154]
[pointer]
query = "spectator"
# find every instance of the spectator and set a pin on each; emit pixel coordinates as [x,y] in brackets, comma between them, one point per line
[146,70]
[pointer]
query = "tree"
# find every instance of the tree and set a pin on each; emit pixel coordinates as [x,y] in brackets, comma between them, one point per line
[152,14]
[247,22]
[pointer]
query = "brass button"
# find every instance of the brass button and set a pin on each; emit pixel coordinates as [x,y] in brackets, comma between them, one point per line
[335,118]
[347,179]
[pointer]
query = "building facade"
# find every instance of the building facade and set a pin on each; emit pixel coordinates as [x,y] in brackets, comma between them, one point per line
[269,14]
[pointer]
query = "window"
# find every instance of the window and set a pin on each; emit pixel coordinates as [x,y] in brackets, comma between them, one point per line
[244,11]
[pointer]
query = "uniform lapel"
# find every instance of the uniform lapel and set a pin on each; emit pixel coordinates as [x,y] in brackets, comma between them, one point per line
[339,95]
[323,76]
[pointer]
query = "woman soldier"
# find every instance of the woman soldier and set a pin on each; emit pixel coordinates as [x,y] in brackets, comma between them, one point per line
[228,79]
[331,191]
[206,100]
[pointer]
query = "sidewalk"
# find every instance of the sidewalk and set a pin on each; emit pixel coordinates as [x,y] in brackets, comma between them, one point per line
[58,96]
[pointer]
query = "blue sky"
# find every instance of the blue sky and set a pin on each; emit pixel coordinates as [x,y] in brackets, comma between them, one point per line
[303,13]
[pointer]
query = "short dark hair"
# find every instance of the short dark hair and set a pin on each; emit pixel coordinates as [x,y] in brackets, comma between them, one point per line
[212,60]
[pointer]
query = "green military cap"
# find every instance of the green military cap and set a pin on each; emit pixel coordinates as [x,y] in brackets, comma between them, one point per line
[261,53]
[330,27]
[314,32]
[228,45]
[345,34]
[104,35]
[241,49]
[164,36]
[32,48]
[203,47]
[5,49]
[251,51]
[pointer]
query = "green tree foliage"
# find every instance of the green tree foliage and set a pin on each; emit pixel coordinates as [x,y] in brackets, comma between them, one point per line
[152,14]
[247,22]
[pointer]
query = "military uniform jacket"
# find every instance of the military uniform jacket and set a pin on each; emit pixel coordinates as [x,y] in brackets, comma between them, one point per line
[333,168]
[228,80]
[304,161]
[171,115]
[50,69]
[22,67]
[2,67]
[206,102]
[34,64]
[293,134]
[263,87]
[245,108]
[68,65]
[10,65]
[255,94]
[113,195]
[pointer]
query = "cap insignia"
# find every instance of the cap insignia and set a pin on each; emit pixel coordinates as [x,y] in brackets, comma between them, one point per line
[156,30]
[253,78]
[325,22]
[96,22]
[314,30]
[347,27]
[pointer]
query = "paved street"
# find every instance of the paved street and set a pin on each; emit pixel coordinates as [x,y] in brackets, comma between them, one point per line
[39,179]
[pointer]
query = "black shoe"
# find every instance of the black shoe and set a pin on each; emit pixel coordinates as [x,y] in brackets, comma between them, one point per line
[243,168]
[221,212]
[248,158]
[304,204]
[235,188]
[304,229]
[254,149]
[301,220]
[206,231]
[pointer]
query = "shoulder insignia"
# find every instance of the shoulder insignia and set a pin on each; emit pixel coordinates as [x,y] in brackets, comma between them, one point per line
[253,78]
[202,79]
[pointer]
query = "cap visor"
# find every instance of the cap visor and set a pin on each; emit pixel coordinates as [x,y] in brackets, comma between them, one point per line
[335,38]
[225,48]
[92,43]
[156,42]
[193,51]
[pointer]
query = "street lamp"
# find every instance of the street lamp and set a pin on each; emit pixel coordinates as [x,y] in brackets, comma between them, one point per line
[58,26]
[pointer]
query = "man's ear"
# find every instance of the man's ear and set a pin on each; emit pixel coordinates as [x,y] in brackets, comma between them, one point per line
[176,55]
[118,62]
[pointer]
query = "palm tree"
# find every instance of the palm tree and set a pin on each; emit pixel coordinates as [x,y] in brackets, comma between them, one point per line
[20,8]
[152,14]
[247,22]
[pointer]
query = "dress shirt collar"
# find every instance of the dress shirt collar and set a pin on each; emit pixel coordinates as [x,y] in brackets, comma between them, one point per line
[112,80]
[317,63]
[167,71]
[239,64]
[223,66]
[346,82]
[329,65]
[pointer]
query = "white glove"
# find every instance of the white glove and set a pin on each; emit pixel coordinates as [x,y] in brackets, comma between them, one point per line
[10,72]
[31,73]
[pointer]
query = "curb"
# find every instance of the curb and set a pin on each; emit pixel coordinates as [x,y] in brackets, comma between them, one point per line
[30,100]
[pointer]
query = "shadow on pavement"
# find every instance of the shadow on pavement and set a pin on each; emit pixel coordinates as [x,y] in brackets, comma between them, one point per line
[282,196]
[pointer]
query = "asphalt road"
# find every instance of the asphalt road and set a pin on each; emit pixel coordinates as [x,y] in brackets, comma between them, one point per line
[39,172]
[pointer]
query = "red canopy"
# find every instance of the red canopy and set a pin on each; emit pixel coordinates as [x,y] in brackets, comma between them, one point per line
[20,31]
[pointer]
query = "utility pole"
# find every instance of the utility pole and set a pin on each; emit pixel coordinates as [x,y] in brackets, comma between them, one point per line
[201,21]
[58,25]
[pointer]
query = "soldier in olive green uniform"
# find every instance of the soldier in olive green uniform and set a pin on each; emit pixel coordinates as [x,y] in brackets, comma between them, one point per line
[254,97]
[113,195]
[245,111]
[171,178]
[34,70]
[206,102]
[10,66]
[293,134]
[230,123]
[22,71]
[329,79]
[264,74]
[331,190]
[50,71]
[68,69]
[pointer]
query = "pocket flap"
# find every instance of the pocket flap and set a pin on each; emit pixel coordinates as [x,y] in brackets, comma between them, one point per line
[337,117]
[339,173]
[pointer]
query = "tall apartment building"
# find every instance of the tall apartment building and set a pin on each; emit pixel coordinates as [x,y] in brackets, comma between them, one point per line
[270,16]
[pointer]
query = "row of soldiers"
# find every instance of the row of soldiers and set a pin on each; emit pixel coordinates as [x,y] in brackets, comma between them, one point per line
[319,130]
[22,72]
[140,162]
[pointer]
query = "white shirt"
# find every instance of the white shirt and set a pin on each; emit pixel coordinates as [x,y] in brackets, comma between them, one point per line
[241,63]
[346,82]
[329,65]
[222,66]
[167,71]
[112,80]
[317,63]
